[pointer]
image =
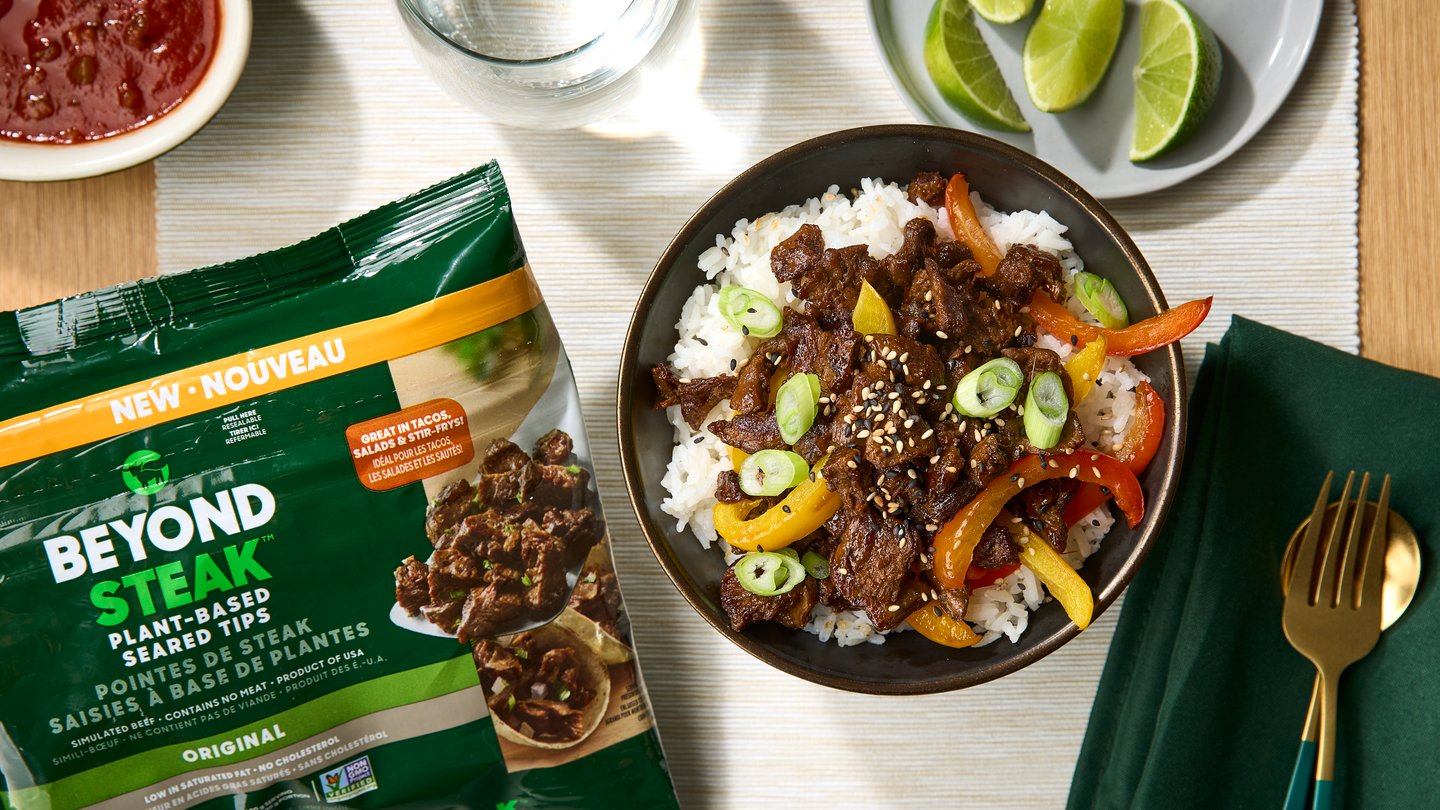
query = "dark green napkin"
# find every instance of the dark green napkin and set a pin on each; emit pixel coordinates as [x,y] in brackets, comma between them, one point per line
[1202,699]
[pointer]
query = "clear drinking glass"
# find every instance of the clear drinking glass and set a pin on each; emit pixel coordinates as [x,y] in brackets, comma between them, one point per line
[545,63]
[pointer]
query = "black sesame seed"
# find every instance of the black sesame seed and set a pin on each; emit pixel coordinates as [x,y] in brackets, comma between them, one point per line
[702,341]
[751,310]
[785,509]
[1015,477]
[1094,522]
[1074,340]
[699,439]
[744,330]
[1104,490]
[733,364]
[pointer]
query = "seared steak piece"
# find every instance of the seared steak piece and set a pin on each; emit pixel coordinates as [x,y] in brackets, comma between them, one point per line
[752,386]
[454,502]
[597,597]
[452,574]
[727,487]
[544,569]
[503,456]
[554,447]
[412,585]
[547,720]
[799,254]
[1023,271]
[495,661]
[490,608]
[872,564]
[559,487]
[1044,513]
[444,615]
[791,609]
[996,549]
[696,397]
[577,529]
[954,601]
[749,432]
[560,673]
[506,489]
[927,187]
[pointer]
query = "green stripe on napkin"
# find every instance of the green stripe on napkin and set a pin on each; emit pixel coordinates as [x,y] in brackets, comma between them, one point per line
[1202,699]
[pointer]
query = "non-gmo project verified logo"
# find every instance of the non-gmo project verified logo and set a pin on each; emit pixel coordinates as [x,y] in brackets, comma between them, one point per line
[348,780]
[145,472]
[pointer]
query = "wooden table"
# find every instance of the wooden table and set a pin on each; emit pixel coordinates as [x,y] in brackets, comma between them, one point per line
[61,238]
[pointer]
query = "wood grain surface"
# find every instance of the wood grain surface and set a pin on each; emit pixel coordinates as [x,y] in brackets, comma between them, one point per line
[58,239]
[1399,172]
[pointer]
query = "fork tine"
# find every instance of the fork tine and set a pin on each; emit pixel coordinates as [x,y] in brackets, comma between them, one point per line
[1302,573]
[1325,594]
[1372,576]
[1345,595]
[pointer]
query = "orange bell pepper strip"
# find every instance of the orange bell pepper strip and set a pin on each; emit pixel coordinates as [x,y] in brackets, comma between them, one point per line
[1084,367]
[803,510]
[1137,338]
[956,541]
[932,623]
[1142,441]
[967,227]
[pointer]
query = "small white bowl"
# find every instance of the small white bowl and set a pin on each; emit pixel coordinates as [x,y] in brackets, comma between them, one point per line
[20,160]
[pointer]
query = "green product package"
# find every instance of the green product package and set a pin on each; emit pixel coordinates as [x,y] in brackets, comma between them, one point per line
[314,528]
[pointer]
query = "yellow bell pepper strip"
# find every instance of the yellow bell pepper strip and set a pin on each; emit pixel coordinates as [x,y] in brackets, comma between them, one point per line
[967,227]
[737,456]
[1069,589]
[1084,367]
[872,315]
[956,541]
[932,623]
[803,510]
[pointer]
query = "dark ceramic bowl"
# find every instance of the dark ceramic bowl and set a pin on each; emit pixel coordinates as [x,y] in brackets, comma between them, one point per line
[907,663]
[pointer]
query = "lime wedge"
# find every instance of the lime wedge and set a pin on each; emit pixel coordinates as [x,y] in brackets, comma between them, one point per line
[1176,79]
[964,71]
[1068,49]
[1003,12]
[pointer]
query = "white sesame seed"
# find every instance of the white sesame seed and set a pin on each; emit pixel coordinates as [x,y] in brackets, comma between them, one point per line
[1074,471]
[851,464]
[893,608]
[942,335]
[911,473]
[905,358]
[1054,464]
[999,421]
[1018,330]
[953,470]
[1020,483]
[841,571]
[927,434]
[909,423]
[862,434]
[928,295]
[1095,470]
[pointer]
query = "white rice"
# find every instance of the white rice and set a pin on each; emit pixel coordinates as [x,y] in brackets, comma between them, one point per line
[876,216]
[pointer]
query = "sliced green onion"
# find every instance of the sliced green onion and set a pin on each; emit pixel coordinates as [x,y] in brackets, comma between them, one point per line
[771,472]
[795,406]
[521,654]
[525,580]
[1046,410]
[816,565]
[1102,300]
[751,312]
[768,573]
[988,389]
[789,552]
[510,704]
[564,693]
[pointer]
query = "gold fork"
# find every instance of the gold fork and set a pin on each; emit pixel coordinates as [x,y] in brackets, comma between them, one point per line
[1327,618]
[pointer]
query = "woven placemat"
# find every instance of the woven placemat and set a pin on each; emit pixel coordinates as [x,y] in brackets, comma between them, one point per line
[333,117]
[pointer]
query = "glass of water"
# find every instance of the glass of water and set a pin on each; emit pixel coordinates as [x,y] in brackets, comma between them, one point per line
[545,63]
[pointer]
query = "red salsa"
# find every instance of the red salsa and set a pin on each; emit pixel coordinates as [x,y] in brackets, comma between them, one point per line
[82,70]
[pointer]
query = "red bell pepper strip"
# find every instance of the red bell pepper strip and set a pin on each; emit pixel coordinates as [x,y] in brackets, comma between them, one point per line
[978,577]
[1137,338]
[956,541]
[1141,443]
[967,227]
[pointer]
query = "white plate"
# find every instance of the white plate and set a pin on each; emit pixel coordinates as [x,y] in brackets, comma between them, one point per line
[1264,43]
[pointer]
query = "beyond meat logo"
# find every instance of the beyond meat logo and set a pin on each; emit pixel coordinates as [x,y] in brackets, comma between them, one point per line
[145,472]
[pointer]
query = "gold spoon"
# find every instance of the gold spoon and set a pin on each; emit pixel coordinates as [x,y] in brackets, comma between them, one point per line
[1402,576]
